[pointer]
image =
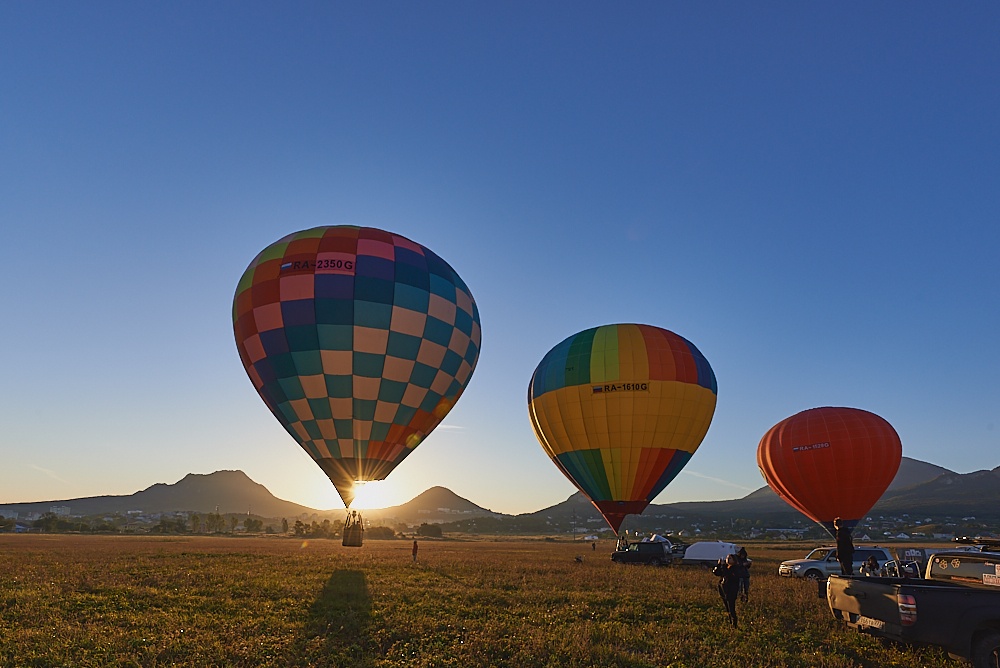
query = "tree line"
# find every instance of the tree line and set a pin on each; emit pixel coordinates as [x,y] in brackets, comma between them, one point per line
[211,523]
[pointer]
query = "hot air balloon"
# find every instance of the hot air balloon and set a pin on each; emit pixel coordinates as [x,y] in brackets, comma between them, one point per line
[830,463]
[359,341]
[620,409]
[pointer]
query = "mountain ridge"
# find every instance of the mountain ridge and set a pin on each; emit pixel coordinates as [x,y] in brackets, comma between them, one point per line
[765,502]
[918,487]
[225,492]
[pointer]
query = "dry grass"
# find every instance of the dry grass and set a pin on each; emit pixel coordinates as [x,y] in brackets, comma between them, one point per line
[197,601]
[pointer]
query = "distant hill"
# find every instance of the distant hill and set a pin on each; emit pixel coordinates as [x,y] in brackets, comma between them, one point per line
[576,506]
[436,505]
[225,491]
[234,492]
[970,494]
[918,488]
[915,472]
[764,504]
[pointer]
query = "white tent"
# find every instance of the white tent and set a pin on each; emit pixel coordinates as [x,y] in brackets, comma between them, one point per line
[708,553]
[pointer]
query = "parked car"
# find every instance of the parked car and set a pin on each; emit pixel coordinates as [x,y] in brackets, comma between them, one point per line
[956,605]
[658,553]
[822,562]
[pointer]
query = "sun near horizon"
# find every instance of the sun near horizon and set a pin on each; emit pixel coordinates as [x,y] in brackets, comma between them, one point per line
[369,495]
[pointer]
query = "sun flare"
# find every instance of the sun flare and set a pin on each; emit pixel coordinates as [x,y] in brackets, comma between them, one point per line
[372,494]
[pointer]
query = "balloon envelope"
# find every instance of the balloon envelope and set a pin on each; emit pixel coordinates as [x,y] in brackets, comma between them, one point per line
[359,341]
[620,409]
[830,462]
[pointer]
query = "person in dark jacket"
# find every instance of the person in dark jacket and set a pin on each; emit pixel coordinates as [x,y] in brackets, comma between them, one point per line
[870,568]
[745,562]
[845,548]
[729,571]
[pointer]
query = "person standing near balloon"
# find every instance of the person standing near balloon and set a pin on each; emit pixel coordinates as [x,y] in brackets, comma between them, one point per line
[845,547]
[730,573]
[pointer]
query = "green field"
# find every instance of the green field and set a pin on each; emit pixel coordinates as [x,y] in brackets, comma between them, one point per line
[199,601]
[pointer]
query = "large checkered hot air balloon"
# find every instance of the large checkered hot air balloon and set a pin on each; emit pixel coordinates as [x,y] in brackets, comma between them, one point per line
[620,409]
[830,462]
[359,341]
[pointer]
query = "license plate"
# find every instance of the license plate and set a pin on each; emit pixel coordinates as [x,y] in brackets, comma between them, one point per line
[870,622]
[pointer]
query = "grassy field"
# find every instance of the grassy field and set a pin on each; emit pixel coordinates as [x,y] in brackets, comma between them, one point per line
[199,601]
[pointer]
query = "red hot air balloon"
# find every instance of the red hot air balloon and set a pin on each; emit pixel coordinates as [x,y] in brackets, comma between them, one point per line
[830,462]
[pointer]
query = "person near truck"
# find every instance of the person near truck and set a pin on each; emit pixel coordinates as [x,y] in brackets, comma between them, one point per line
[871,568]
[729,571]
[845,547]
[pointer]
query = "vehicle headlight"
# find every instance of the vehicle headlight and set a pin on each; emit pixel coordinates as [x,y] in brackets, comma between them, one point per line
[797,567]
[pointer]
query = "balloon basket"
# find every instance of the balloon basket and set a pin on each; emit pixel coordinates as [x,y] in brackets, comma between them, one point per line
[354,530]
[353,537]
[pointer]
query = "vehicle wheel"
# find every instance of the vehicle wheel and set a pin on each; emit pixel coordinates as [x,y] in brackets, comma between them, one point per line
[815,576]
[656,562]
[986,650]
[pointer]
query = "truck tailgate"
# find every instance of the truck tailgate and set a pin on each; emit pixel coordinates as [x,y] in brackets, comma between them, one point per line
[876,597]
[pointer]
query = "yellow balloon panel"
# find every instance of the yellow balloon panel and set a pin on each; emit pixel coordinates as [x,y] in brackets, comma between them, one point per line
[670,414]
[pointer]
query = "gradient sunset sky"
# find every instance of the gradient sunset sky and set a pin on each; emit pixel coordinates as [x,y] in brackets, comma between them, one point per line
[808,192]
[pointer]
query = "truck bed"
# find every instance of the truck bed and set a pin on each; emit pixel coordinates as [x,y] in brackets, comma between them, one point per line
[943,613]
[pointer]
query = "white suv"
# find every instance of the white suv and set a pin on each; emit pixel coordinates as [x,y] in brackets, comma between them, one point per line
[822,562]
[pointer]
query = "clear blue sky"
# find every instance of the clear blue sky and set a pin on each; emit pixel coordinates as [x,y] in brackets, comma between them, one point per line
[807,192]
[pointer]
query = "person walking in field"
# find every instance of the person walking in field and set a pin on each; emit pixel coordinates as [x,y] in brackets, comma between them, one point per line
[730,572]
[414,551]
[845,548]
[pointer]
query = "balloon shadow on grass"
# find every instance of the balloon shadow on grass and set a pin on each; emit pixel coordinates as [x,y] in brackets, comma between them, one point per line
[337,629]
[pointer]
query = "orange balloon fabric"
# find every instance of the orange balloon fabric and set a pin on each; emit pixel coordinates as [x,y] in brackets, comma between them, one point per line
[830,462]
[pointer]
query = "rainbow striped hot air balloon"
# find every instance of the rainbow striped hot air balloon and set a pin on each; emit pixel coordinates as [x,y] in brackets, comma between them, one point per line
[359,341]
[620,409]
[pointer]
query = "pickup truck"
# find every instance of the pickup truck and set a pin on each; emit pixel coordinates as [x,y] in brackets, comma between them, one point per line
[955,606]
